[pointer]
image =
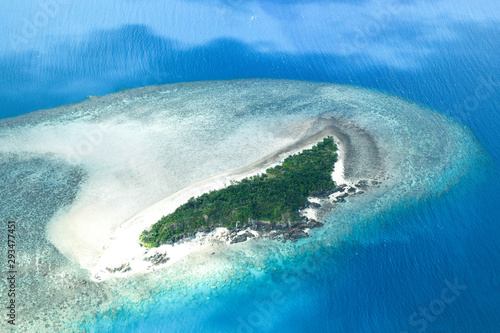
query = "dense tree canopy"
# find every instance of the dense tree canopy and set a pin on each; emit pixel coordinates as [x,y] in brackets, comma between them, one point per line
[273,196]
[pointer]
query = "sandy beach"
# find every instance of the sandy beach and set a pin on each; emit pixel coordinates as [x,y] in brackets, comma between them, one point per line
[141,153]
[101,235]
[124,256]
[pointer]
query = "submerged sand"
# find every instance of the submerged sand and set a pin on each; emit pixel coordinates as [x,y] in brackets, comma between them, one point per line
[108,245]
[124,256]
[76,174]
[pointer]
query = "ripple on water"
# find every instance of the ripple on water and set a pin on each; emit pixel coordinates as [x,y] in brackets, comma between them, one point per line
[94,164]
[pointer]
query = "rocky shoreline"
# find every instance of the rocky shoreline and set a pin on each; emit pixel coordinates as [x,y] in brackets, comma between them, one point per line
[355,171]
[314,209]
[294,230]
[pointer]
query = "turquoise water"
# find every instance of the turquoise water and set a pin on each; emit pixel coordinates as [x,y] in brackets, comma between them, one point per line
[444,55]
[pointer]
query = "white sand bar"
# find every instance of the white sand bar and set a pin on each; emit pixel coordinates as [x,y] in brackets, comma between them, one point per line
[123,249]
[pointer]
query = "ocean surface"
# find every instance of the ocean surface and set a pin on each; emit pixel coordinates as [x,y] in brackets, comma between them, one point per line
[393,277]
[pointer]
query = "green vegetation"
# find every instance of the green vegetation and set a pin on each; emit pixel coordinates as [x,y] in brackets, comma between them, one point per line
[274,196]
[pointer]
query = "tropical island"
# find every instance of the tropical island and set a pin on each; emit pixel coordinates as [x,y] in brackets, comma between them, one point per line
[269,201]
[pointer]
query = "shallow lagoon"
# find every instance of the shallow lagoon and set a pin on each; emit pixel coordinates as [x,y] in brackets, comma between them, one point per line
[170,131]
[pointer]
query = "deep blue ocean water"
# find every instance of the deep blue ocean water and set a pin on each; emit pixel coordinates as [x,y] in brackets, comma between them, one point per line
[443,54]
